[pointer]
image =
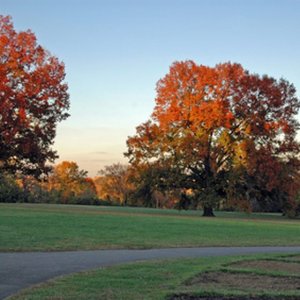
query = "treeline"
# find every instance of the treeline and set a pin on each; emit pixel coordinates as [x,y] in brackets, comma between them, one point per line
[152,186]
[65,184]
[122,185]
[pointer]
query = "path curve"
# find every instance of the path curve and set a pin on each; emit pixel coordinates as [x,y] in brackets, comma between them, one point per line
[22,269]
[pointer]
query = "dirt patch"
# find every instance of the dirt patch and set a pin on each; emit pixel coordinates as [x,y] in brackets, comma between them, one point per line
[192,297]
[267,265]
[244,282]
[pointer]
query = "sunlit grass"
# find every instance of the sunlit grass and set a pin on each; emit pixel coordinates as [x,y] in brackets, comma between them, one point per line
[62,227]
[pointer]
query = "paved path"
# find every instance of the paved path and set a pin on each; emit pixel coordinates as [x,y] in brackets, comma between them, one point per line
[21,270]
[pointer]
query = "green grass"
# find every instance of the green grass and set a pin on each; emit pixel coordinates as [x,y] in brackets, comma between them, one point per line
[36,227]
[150,280]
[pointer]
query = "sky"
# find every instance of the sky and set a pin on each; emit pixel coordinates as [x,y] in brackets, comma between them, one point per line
[115,52]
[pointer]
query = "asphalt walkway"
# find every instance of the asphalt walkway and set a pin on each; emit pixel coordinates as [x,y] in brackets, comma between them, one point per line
[21,270]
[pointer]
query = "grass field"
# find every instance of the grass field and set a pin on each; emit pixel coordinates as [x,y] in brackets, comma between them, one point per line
[36,227]
[164,279]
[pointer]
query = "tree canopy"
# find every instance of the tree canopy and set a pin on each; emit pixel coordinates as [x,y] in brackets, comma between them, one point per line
[113,183]
[71,182]
[222,132]
[33,99]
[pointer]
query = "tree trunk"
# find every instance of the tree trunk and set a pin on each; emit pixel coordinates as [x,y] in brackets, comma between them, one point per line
[208,212]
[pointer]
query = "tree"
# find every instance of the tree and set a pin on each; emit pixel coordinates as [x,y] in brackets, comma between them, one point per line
[114,183]
[72,183]
[210,123]
[33,99]
[10,191]
[152,188]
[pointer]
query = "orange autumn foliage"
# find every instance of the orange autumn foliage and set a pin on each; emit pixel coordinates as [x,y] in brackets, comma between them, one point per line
[33,99]
[114,184]
[70,182]
[210,121]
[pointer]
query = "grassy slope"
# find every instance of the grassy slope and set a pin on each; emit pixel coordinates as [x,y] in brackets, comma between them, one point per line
[151,280]
[57,227]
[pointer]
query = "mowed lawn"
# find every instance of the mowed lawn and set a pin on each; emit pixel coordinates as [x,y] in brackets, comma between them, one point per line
[162,279]
[39,227]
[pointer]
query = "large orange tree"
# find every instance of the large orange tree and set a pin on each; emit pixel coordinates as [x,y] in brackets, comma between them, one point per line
[222,132]
[33,99]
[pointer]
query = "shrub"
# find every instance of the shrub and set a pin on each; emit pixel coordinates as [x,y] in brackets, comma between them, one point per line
[10,191]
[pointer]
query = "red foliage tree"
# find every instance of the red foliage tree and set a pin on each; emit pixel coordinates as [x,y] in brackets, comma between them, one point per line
[33,98]
[212,122]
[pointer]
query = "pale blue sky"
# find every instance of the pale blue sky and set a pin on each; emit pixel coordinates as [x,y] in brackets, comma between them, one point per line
[116,51]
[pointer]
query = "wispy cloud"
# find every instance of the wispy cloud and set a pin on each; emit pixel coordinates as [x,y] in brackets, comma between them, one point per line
[99,153]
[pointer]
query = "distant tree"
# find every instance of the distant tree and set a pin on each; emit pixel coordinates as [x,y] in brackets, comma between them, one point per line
[33,99]
[90,186]
[114,183]
[211,124]
[72,183]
